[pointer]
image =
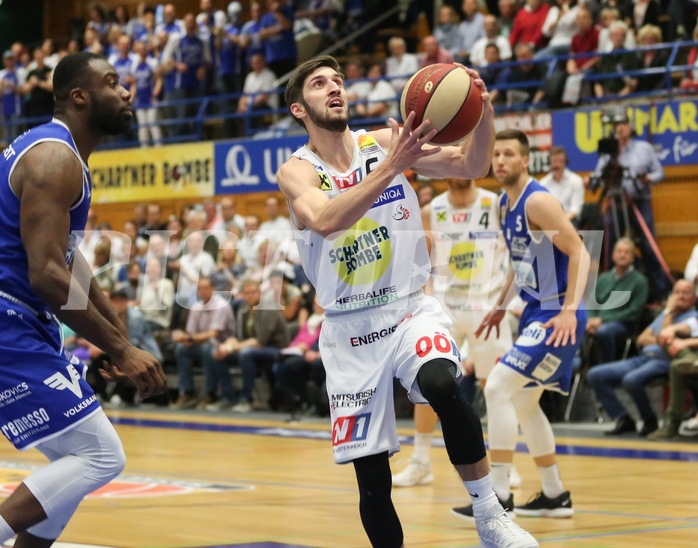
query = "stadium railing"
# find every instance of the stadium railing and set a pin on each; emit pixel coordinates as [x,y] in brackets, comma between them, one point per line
[215,116]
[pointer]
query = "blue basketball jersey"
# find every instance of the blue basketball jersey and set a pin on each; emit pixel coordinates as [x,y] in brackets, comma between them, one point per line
[540,269]
[14,278]
[43,388]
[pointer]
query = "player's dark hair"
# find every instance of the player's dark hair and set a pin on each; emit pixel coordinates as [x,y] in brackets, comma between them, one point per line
[294,88]
[71,72]
[516,135]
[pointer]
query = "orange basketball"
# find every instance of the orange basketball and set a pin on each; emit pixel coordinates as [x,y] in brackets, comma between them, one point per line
[445,95]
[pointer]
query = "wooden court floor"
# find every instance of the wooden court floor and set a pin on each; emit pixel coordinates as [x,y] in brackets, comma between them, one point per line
[202,480]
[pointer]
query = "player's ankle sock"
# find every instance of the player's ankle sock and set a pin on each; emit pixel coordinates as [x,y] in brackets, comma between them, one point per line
[482,494]
[422,447]
[550,478]
[6,532]
[500,479]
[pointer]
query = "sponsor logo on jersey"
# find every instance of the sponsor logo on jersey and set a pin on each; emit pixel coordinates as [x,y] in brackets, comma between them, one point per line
[367,144]
[84,404]
[357,399]
[325,183]
[466,260]
[441,217]
[372,337]
[547,367]
[486,203]
[524,275]
[17,392]
[369,298]
[9,152]
[401,213]
[347,181]
[519,246]
[461,216]
[350,429]
[532,335]
[390,194]
[363,253]
[25,426]
[58,381]
[517,359]
[484,234]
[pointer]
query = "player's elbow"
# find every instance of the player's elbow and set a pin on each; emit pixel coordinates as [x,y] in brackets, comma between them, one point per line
[45,280]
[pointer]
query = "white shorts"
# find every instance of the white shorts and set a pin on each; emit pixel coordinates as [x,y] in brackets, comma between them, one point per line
[466,318]
[362,352]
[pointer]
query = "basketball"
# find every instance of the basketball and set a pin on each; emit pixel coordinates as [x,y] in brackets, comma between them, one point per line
[444,94]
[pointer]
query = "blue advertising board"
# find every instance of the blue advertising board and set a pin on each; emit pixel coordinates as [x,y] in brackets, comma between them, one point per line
[671,126]
[250,165]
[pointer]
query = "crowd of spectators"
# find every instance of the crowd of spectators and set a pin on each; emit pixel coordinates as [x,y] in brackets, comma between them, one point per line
[170,60]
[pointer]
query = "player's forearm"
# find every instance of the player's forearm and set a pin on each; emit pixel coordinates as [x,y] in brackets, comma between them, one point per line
[506,295]
[345,210]
[577,273]
[477,148]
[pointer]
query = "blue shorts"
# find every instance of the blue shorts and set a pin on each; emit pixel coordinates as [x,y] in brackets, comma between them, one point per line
[43,391]
[544,364]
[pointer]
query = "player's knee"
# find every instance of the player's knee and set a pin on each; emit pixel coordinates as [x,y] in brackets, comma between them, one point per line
[495,395]
[109,461]
[436,380]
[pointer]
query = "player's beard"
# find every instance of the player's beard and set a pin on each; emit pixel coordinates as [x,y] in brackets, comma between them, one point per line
[327,121]
[106,120]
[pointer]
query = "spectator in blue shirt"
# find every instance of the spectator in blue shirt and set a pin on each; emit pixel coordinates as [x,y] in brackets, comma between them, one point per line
[635,373]
[189,57]
[276,32]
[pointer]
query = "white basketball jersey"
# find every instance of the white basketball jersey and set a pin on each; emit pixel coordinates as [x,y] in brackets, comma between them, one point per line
[469,252]
[383,257]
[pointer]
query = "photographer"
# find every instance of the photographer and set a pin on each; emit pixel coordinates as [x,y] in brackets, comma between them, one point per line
[626,169]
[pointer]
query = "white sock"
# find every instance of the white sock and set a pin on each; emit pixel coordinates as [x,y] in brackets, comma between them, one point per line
[501,471]
[6,532]
[552,483]
[422,447]
[482,494]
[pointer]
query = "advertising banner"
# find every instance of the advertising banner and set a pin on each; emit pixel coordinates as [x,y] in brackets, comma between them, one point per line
[250,165]
[672,127]
[151,174]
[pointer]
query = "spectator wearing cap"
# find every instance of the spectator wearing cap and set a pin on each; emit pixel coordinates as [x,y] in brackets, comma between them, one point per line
[12,78]
[260,334]
[283,295]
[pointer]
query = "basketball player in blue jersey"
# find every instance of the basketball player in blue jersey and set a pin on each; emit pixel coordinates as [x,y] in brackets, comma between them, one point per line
[362,245]
[45,191]
[549,271]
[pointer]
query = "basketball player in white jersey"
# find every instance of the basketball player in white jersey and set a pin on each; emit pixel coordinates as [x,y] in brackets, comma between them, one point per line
[470,265]
[362,246]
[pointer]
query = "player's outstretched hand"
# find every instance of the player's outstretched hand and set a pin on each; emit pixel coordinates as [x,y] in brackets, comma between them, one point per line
[139,366]
[407,146]
[564,329]
[492,320]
